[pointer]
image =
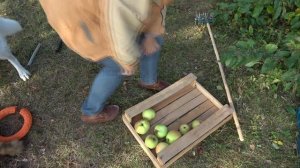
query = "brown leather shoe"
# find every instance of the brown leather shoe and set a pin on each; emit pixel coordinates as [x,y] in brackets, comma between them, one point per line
[109,113]
[158,86]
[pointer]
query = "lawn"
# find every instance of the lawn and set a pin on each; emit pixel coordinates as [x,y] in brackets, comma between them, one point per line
[60,82]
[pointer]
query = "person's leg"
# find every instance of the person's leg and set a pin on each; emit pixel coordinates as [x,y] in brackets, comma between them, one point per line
[149,68]
[149,65]
[104,85]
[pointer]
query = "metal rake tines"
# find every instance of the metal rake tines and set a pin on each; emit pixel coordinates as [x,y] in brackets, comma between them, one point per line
[203,18]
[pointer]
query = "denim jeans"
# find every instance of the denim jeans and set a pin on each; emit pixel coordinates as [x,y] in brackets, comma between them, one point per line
[110,78]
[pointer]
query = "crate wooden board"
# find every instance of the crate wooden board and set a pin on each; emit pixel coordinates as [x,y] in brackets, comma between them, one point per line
[182,102]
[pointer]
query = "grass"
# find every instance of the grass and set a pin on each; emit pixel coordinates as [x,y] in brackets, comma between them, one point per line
[60,82]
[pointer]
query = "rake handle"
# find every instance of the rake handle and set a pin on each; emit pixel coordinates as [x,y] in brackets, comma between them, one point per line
[235,118]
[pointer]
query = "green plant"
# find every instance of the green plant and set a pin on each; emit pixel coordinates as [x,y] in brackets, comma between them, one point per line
[270,38]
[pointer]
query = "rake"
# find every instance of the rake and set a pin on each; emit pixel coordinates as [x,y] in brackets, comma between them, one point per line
[206,18]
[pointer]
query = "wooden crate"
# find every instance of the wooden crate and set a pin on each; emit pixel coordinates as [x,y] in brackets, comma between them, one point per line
[180,103]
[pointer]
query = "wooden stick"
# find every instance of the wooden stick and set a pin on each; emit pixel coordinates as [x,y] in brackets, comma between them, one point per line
[235,118]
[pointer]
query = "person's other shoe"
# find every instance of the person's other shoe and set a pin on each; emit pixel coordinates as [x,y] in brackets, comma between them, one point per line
[109,113]
[158,86]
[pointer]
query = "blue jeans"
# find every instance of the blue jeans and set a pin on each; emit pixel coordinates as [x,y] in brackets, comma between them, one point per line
[110,78]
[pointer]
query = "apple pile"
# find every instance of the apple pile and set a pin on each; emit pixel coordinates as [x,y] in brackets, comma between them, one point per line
[161,132]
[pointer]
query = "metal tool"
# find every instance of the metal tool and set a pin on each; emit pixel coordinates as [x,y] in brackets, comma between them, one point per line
[34,54]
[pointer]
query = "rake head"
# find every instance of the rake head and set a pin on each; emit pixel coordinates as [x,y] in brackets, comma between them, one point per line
[203,18]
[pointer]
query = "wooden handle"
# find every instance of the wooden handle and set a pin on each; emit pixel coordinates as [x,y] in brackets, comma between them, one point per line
[235,118]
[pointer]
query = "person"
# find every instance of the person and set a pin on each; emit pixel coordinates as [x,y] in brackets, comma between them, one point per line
[151,41]
[81,26]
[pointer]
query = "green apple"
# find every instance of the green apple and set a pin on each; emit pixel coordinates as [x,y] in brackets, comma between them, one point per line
[184,128]
[151,141]
[142,126]
[148,114]
[160,146]
[195,123]
[160,130]
[172,136]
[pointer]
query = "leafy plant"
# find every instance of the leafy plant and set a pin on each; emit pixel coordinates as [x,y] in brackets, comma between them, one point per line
[270,38]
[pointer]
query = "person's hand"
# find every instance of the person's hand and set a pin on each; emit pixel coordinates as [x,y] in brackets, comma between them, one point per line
[149,45]
[128,70]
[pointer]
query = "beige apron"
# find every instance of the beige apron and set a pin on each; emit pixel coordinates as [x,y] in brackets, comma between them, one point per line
[96,29]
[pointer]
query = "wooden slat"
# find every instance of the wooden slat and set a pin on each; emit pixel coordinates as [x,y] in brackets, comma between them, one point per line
[193,135]
[181,110]
[136,119]
[174,97]
[160,96]
[208,113]
[175,105]
[202,108]
[141,142]
[208,95]
[128,117]
[185,150]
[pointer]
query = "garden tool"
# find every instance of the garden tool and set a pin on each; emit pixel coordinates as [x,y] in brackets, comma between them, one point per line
[206,19]
[34,54]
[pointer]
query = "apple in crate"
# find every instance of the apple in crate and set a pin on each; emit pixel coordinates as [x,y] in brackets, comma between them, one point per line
[142,126]
[151,141]
[172,136]
[195,123]
[160,146]
[160,130]
[184,128]
[148,114]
